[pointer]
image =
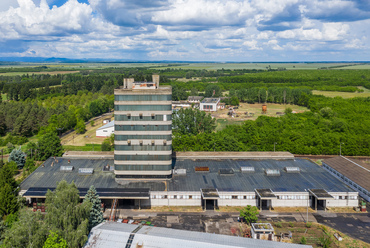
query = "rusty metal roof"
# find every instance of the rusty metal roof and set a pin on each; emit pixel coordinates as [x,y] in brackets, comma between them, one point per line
[355,170]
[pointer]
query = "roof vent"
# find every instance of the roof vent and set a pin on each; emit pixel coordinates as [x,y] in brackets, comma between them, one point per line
[85,171]
[292,169]
[271,172]
[248,169]
[201,169]
[226,172]
[66,168]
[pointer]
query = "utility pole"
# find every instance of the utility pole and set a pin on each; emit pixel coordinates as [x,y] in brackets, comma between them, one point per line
[308,198]
[340,148]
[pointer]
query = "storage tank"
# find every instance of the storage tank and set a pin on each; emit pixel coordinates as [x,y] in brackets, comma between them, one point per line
[264,108]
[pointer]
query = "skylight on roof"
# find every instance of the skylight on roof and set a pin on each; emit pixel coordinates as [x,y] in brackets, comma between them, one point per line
[66,168]
[272,172]
[249,169]
[86,171]
[292,169]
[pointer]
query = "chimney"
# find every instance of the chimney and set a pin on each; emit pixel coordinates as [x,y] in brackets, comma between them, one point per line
[155,79]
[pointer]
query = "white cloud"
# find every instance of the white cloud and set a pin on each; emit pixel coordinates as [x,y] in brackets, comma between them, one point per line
[252,45]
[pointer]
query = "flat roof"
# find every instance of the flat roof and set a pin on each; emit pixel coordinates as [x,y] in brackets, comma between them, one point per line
[354,169]
[113,234]
[311,176]
[320,194]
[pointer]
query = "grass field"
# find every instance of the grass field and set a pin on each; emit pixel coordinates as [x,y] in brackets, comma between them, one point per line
[3,96]
[88,138]
[366,93]
[257,66]
[41,72]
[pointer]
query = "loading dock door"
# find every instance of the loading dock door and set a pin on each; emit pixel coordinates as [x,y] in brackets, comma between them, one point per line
[264,198]
[319,198]
[209,199]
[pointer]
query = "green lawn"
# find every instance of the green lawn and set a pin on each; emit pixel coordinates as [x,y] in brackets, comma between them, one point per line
[366,93]
[4,97]
[87,147]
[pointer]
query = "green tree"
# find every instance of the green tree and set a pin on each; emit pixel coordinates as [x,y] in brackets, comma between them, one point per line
[80,126]
[249,213]
[106,146]
[66,216]
[55,241]
[193,121]
[18,157]
[212,90]
[92,123]
[29,231]
[303,241]
[96,214]
[8,200]
[49,145]
[288,110]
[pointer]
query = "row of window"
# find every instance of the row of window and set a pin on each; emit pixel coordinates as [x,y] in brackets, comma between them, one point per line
[143,107]
[141,137]
[351,197]
[292,197]
[142,97]
[207,106]
[357,187]
[143,127]
[143,157]
[176,197]
[142,167]
[239,197]
[143,118]
[143,147]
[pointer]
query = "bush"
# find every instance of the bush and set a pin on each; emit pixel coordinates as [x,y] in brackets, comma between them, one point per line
[308,224]
[291,224]
[249,213]
[105,146]
[279,225]
[303,241]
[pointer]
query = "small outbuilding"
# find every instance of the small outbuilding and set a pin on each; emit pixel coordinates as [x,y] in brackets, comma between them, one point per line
[105,131]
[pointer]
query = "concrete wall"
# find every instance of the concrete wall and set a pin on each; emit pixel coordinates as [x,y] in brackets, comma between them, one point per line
[293,199]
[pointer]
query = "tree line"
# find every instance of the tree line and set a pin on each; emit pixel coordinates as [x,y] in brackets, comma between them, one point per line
[330,122]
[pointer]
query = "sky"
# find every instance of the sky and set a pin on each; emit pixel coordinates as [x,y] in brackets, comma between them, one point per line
[187,30]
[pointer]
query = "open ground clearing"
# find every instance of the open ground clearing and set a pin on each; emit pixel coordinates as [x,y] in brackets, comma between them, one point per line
[40,72]
[366,93]
[79,141]
[272,108]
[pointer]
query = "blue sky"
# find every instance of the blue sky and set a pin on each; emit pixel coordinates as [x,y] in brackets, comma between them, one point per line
[197,30]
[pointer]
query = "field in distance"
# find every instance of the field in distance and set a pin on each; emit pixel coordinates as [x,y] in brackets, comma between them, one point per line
[366,93]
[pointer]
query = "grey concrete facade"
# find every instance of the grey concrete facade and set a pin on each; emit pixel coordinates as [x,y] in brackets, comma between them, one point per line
[143,130]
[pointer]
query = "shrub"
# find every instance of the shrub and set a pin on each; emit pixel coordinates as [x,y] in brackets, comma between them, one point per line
[308,224]
[291,224]
[303,241]
[279,225]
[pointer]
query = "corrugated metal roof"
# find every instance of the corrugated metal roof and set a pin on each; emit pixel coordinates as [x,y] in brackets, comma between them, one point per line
[312,176]
[109,124]
[155,237]
[355,170]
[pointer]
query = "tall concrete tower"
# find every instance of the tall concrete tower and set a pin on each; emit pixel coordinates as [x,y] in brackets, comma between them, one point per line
[143,130]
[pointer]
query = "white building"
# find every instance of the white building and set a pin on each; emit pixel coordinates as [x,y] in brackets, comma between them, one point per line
[105,131]
[209,104]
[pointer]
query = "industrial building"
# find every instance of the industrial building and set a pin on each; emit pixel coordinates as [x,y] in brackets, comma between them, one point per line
[118,235]
[208,179]
[143,130]
[353,172]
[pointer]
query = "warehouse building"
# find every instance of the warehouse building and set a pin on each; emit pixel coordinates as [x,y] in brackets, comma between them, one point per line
[118,235]
[143,130]
[208,179]
[353,172]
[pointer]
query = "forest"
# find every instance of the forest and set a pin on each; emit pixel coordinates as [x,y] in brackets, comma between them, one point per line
[35,104]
